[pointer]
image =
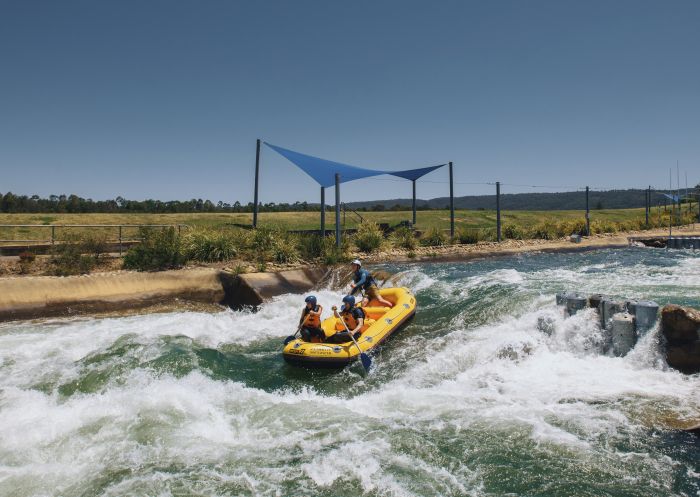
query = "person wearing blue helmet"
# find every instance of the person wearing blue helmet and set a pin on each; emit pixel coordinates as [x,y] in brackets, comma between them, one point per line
[310,321]
[354,318]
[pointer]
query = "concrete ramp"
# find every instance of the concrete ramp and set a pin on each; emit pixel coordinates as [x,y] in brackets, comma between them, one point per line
[43,296]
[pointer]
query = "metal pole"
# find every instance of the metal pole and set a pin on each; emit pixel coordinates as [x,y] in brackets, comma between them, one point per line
[414,202]
[498,211]
[337,210]
[53,234]
[257,175]
[648,205]
[588,214]
[323,211]
[670,191]
[120,241]
[452,205]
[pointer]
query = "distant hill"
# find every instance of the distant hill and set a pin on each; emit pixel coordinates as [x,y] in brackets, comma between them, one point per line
[614,199]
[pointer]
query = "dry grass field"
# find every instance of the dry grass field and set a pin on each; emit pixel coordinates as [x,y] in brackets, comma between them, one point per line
[464,219]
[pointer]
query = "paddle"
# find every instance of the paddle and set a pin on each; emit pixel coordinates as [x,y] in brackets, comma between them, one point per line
[292,337]
[366,361]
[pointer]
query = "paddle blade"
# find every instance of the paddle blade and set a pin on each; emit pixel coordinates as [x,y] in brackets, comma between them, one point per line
[288,339]
[366,361]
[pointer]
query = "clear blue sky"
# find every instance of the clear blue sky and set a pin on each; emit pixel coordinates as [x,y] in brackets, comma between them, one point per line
[164,99]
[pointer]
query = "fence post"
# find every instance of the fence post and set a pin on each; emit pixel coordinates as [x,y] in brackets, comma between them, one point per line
[120,240]
[498,211]
[588,215]
[257,174]
[53,234]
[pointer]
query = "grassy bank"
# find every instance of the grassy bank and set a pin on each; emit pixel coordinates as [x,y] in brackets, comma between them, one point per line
[427,220]
[211,238]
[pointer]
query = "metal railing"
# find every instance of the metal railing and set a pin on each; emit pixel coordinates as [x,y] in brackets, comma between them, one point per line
[345,209]
[120,239]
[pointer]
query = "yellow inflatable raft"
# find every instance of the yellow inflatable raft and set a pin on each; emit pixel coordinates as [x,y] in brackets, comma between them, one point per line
[380,323]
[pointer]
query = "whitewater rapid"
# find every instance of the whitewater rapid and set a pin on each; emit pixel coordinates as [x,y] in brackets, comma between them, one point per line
[471,398]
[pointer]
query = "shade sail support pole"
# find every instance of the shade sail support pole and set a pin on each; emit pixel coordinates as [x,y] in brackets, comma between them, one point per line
[452,204]
[257,177]
[337,210]
[414,202]
[323,211]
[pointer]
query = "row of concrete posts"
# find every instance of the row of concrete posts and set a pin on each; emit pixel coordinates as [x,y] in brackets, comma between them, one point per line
[624,321]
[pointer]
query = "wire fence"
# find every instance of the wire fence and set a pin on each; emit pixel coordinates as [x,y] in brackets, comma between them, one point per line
[662,208]
[34,235]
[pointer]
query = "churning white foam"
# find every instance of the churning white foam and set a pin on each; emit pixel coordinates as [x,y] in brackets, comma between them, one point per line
[531,373]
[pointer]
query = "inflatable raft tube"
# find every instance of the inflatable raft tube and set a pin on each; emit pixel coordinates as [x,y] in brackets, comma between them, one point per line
[380,324]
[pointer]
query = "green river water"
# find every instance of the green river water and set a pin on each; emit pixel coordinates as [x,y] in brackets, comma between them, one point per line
[471,398]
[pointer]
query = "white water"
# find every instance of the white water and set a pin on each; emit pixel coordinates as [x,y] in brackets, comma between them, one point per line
[456,405]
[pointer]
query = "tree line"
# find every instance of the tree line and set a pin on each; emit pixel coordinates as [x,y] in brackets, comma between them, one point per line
[73,204]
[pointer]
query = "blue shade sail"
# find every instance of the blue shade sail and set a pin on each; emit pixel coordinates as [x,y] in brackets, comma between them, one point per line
[322,170]
[674,198]
[414,174]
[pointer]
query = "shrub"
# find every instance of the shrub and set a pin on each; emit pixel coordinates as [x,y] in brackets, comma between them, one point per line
[285,248]
[315,246]
[210,246]
[468,236]
[275,244]
[94,244]
[262,243]
[159,249]
[368,237]
[67,258]
[433,238]
[599,226]
[544,231]
[567,228]
[26,259]
[323,248]
[26,256]
[488,235]
[513,232]
[405,238]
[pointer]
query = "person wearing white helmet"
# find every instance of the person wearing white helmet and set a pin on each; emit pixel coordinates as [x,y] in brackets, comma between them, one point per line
[363,281]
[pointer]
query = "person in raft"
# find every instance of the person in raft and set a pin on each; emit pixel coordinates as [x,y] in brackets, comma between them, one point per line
[354,318]
[363,281]
[310,320]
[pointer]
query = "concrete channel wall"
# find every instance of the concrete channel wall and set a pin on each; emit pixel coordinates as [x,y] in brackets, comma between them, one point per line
[44,296]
